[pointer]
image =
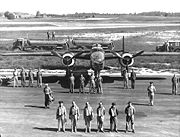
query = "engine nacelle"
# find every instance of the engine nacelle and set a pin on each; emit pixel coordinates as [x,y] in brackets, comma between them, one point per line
[67,61]
[127,60]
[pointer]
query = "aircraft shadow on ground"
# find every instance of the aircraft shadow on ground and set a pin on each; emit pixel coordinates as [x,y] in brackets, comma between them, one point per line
[32,106]
[69,129]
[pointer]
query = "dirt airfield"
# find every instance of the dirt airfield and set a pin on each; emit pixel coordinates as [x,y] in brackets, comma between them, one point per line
[22,112]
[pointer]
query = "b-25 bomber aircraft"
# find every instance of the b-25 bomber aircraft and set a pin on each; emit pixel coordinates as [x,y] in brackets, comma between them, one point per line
[97,56]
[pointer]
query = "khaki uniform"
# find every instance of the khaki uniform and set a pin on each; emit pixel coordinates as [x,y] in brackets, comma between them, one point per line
[133,79]
[125,78]
[31,78]
[61,117]
[47,93]
[113,112]
[100,117]
[74,116]
[130,111]
[151,90]
[174,85]
[88,116]
[81,88]
[39,78]
[72,78]
[99,85]
[23,78]
[92,84]
[15,78]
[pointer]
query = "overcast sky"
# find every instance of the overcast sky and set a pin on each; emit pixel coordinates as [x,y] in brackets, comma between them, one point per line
[98,6]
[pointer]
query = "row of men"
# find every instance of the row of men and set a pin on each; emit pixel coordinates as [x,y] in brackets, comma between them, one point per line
[95,84]
[23,75]
[88,116]
[53,35]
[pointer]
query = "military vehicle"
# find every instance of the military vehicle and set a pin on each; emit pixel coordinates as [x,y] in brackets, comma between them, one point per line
[37,44]
[169,46]
[87,43]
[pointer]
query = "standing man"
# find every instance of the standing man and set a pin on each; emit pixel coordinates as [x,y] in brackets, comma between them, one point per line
[88,116]
[48,35]
[61,116]
[47,93]
[113,112]
[174,84]
[82,80]
[71,82]
[39,78]
[130,111]
[100,117]
[133,78]
[15,78]
[125,78]
[23,77]
[74,116]
[151,90]
[31,77]
[92,83]
[99,85]
[53,35]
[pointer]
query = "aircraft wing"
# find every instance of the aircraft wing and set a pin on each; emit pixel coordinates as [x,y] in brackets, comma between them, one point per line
[160,54]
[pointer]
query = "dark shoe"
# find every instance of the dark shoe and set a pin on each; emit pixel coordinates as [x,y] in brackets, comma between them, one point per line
[133,131]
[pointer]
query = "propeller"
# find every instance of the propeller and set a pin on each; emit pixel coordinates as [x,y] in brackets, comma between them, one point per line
[138,54]
[76,55]
[116,54]
[56,54]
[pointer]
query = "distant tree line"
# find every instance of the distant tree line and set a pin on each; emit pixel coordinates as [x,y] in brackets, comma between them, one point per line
[159,13]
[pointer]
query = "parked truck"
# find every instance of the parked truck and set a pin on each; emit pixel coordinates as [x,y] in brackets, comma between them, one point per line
[169,46]
[37,44]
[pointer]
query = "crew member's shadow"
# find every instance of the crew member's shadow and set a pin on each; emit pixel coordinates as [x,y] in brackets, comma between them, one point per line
[46,129]
[164,93]
[32,106]
[140,104]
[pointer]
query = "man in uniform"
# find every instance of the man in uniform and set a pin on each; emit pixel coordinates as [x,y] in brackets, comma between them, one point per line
[133,78]
[53,35]
[88,116]
[99,84]
[15,78]
[125,78]
[82,80]
[48,35]
[47,93]
[92,83]
[61,116]
[151,90]
[113,112]
[130,111]
[39,78]
[71,82]
[100,117]
[174,84]
[74,116]
[23,78]
[31,77]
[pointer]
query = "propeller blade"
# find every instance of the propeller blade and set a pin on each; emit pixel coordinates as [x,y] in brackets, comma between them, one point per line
[123,47]
[76,55]
[138,54]
[116,54]
[56,54]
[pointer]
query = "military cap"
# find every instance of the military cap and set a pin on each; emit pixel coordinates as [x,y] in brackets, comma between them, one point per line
[60,102]
[113,104]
